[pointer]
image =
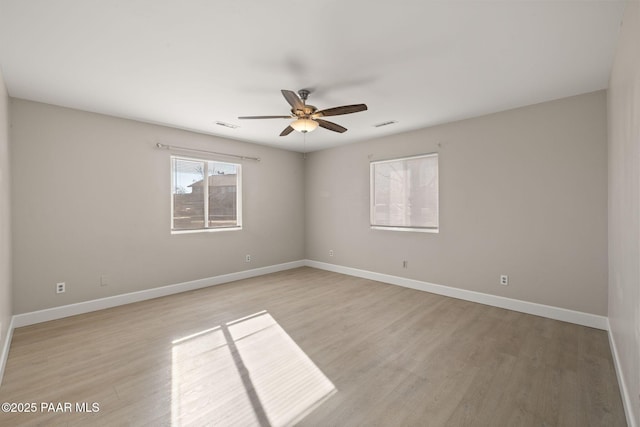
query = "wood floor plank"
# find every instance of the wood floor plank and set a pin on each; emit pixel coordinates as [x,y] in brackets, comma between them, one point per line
[346,351]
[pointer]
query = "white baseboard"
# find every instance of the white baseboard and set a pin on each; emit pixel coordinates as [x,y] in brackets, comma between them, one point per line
[556,313]
[5,349]
[624,391]
[54,313]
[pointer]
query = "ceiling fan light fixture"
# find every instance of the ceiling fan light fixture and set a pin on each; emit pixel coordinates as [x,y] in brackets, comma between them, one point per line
[304,125]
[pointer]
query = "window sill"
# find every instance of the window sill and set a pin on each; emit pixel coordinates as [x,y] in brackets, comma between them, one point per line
[410,229]
[206,230]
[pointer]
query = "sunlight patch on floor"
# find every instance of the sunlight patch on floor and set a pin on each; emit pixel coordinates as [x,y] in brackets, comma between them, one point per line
[205,384]
[246,372]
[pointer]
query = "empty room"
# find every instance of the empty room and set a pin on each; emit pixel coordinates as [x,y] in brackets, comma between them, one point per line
[418,213]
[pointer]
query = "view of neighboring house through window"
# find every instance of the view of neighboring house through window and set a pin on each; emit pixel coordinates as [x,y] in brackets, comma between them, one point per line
[404,194]
[200,203]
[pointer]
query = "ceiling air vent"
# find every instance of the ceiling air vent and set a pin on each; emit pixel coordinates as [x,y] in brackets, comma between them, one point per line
[227,125]
[390,122]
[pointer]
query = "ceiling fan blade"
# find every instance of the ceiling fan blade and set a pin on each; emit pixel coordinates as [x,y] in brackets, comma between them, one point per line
[331,126]
[286,131]
[345,109]
[293,99]
[265,117]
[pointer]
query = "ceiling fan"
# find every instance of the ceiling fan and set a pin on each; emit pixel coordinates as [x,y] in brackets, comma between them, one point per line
[307,117]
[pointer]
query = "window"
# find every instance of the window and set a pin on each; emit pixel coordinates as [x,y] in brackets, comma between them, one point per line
[205,204]
[404,194]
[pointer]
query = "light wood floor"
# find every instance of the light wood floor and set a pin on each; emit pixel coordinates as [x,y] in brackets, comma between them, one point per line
[316,348]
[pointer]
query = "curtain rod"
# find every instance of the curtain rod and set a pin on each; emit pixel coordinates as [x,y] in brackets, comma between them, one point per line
[173,147]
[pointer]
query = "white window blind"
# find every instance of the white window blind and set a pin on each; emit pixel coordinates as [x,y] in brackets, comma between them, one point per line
[404,193]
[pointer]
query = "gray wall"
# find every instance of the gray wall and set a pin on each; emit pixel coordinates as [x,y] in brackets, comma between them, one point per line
[5,222]
[522,192]
[624,205]
[91,196]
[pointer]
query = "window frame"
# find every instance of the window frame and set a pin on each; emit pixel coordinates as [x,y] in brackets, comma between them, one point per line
[205,191]
[372,198]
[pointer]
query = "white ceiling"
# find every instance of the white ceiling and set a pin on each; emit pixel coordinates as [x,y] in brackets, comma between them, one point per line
[191,63]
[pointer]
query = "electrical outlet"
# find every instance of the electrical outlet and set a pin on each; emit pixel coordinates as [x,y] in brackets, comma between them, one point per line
[247,258]
[61,288]
[504,280]
[330,252]
[104,280]
[405,264]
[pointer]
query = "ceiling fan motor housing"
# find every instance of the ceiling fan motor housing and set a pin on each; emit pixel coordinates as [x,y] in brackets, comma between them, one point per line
[307,111]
